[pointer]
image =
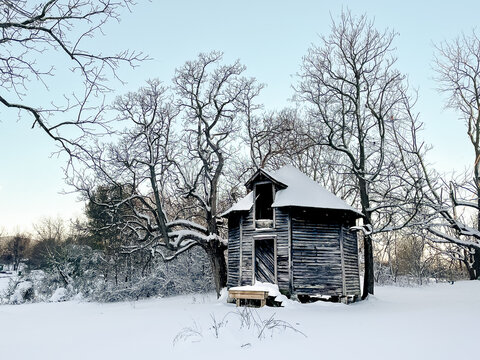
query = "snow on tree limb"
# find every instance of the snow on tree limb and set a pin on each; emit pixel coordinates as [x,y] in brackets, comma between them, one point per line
[32,30]
[187,224]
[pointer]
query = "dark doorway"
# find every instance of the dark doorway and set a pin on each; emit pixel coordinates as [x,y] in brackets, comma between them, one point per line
[265,260]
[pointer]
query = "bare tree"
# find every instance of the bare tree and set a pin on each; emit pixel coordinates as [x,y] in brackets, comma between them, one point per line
[457,64]
[279,138]
[134,167]
[127,181]
[356,98]
[49,247]
[34,32]
[151,172]
[50,229]
[273,136]
[17,249]
[441,216]
[214,100]
[445,219]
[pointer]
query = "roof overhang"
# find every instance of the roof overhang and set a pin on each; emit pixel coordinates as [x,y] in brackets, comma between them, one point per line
[259,172]
[244,204]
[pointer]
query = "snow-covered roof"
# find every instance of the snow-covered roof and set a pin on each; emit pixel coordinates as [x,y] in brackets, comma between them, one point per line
[305,192]
[300,191]
[243,204]
[268,175]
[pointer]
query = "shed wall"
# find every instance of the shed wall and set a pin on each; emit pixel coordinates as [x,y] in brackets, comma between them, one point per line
[350,251]
[280,232]
[233,253]
[316,257]
[315,253]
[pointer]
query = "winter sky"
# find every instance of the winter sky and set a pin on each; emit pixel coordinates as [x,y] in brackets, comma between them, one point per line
[269,37]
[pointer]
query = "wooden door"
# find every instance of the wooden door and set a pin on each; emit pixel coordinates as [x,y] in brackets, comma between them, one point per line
[265,261]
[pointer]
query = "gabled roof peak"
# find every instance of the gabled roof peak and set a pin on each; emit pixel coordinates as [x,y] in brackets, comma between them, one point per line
[262,172]
[296,189]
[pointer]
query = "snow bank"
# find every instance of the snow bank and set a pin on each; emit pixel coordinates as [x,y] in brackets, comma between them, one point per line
[4,281]
[23,292]
[60,294]
[396,323]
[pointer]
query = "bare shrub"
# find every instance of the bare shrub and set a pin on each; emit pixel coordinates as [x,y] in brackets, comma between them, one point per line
[249,319]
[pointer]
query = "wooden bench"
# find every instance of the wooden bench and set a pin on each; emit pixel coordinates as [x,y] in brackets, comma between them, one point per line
[249,295]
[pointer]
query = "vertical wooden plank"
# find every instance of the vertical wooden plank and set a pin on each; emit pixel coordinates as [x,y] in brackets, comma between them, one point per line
[358,265]
[254,215]
[233,259]
[290,270]
[253,261]
[342,257]
[241,252]
[350,249]
[274,216]
[275,261]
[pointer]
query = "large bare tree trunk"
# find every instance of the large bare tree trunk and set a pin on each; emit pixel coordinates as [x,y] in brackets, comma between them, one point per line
[215,251]
[369,277]
[357,104]
[368,281]
[475,267]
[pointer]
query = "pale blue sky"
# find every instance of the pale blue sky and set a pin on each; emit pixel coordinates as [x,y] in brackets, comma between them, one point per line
[270,38]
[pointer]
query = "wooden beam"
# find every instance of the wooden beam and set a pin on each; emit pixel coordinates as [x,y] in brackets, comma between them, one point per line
[241,251]
[249,295]
[275,260]
[253,260]
[290,269]
[342,257]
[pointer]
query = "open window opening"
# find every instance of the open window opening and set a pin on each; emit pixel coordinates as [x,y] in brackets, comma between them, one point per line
[263,206]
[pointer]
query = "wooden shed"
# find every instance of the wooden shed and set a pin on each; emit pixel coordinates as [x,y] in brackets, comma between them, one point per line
[291,231]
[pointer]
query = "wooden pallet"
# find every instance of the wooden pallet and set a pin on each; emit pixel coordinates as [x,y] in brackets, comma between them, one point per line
[249,295]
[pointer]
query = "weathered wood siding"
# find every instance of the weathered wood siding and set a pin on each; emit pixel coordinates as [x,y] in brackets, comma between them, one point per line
[233,262]
[249,233]
[316,257]
[282,229]
[315,254]
[247,249]
[350,253]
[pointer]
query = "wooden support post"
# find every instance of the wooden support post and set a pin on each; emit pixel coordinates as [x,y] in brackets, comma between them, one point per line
[240,268]
[342,257]
[290,249]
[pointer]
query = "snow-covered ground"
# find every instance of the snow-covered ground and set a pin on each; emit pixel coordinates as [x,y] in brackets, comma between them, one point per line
[434,322]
